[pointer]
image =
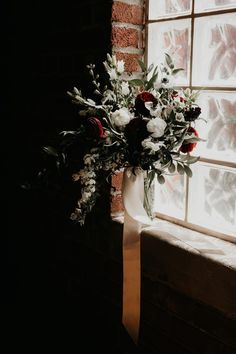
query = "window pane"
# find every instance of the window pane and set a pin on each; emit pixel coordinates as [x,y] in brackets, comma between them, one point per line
[162,8]
[214,55]
[212,198]
[219,109]
[201,5]
[172,37]
[169,197]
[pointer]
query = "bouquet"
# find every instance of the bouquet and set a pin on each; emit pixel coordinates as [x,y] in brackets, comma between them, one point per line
[141,124]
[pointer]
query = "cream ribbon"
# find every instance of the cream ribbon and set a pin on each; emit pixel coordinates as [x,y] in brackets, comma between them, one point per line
[134,218]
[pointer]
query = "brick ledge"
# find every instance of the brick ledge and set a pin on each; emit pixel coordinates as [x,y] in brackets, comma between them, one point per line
[200,266]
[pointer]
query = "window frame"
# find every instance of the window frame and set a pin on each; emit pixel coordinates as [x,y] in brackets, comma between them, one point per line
[211,162]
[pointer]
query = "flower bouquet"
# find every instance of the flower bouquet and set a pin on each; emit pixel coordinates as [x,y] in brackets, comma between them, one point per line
[137,123]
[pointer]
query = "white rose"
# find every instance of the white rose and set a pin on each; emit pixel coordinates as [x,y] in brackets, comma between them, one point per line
[120,117]
[156,126]
[125,88]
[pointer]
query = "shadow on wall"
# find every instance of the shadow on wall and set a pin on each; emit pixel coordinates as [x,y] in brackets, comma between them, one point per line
[51,43]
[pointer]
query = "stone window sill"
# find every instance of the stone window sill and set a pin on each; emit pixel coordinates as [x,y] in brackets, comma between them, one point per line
[197,265]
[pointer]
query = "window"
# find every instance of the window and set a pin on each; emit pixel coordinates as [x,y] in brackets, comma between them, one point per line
[201,38]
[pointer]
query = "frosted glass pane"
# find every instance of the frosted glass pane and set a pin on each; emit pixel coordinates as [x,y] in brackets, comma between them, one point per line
[214,51]
[162,8]
[170,197]
[212,198]
[172,37]
[219,109]
[201,5]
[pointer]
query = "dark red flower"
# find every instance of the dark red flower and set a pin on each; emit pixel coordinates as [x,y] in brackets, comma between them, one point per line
[175,95]
[192,114]
[190,146]
[135,132]
[94,128]
[140,100]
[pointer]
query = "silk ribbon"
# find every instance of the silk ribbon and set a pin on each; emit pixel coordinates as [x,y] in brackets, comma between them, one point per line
[135,217]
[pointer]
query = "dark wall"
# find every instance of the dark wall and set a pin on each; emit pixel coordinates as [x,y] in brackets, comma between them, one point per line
[52,301]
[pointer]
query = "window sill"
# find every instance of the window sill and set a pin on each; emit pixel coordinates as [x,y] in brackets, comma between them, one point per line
[200,266]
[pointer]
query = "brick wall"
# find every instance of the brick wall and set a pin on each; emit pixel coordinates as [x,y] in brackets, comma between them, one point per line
[128,45]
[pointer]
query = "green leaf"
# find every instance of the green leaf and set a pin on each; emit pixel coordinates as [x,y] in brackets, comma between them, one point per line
[175,71]
[192,159]
[161,179]
[180,169]
[155,70]
[150,68]
[171,168]
[151,176]
[50,151]
[192,140]
[151,81]
[141,64]
[169,60]
[136,82]
[188,171]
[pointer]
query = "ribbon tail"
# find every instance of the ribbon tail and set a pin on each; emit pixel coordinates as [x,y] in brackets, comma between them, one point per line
[134,216]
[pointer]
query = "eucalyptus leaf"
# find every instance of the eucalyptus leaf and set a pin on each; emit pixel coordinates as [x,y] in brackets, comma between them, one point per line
[192,159]
[171,168]
[180,169]
[188,171]
[175,71]
[161,179]
[192,140]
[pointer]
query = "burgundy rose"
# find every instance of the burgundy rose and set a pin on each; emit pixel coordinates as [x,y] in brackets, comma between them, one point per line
[140,100]
[135,132]
[192,114]
[190,146]
[94,128]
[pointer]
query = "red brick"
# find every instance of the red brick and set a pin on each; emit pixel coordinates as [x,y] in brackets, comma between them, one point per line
[117,204]
[117,180]
[127,13]
[131,64]
[125,37]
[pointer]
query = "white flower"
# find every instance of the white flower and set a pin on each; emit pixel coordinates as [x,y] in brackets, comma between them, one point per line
[113,74]
[155,112]
[153,147]
[120,117]
[156,126]
[125,88]
[157,165]
[179,117]
[108,96]
[85,196]
[120,66]
[90,158]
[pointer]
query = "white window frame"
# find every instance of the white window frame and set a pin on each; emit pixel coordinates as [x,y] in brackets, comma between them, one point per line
[211,162]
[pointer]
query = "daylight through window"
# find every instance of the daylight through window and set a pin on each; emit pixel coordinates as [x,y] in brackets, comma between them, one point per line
[201,38]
